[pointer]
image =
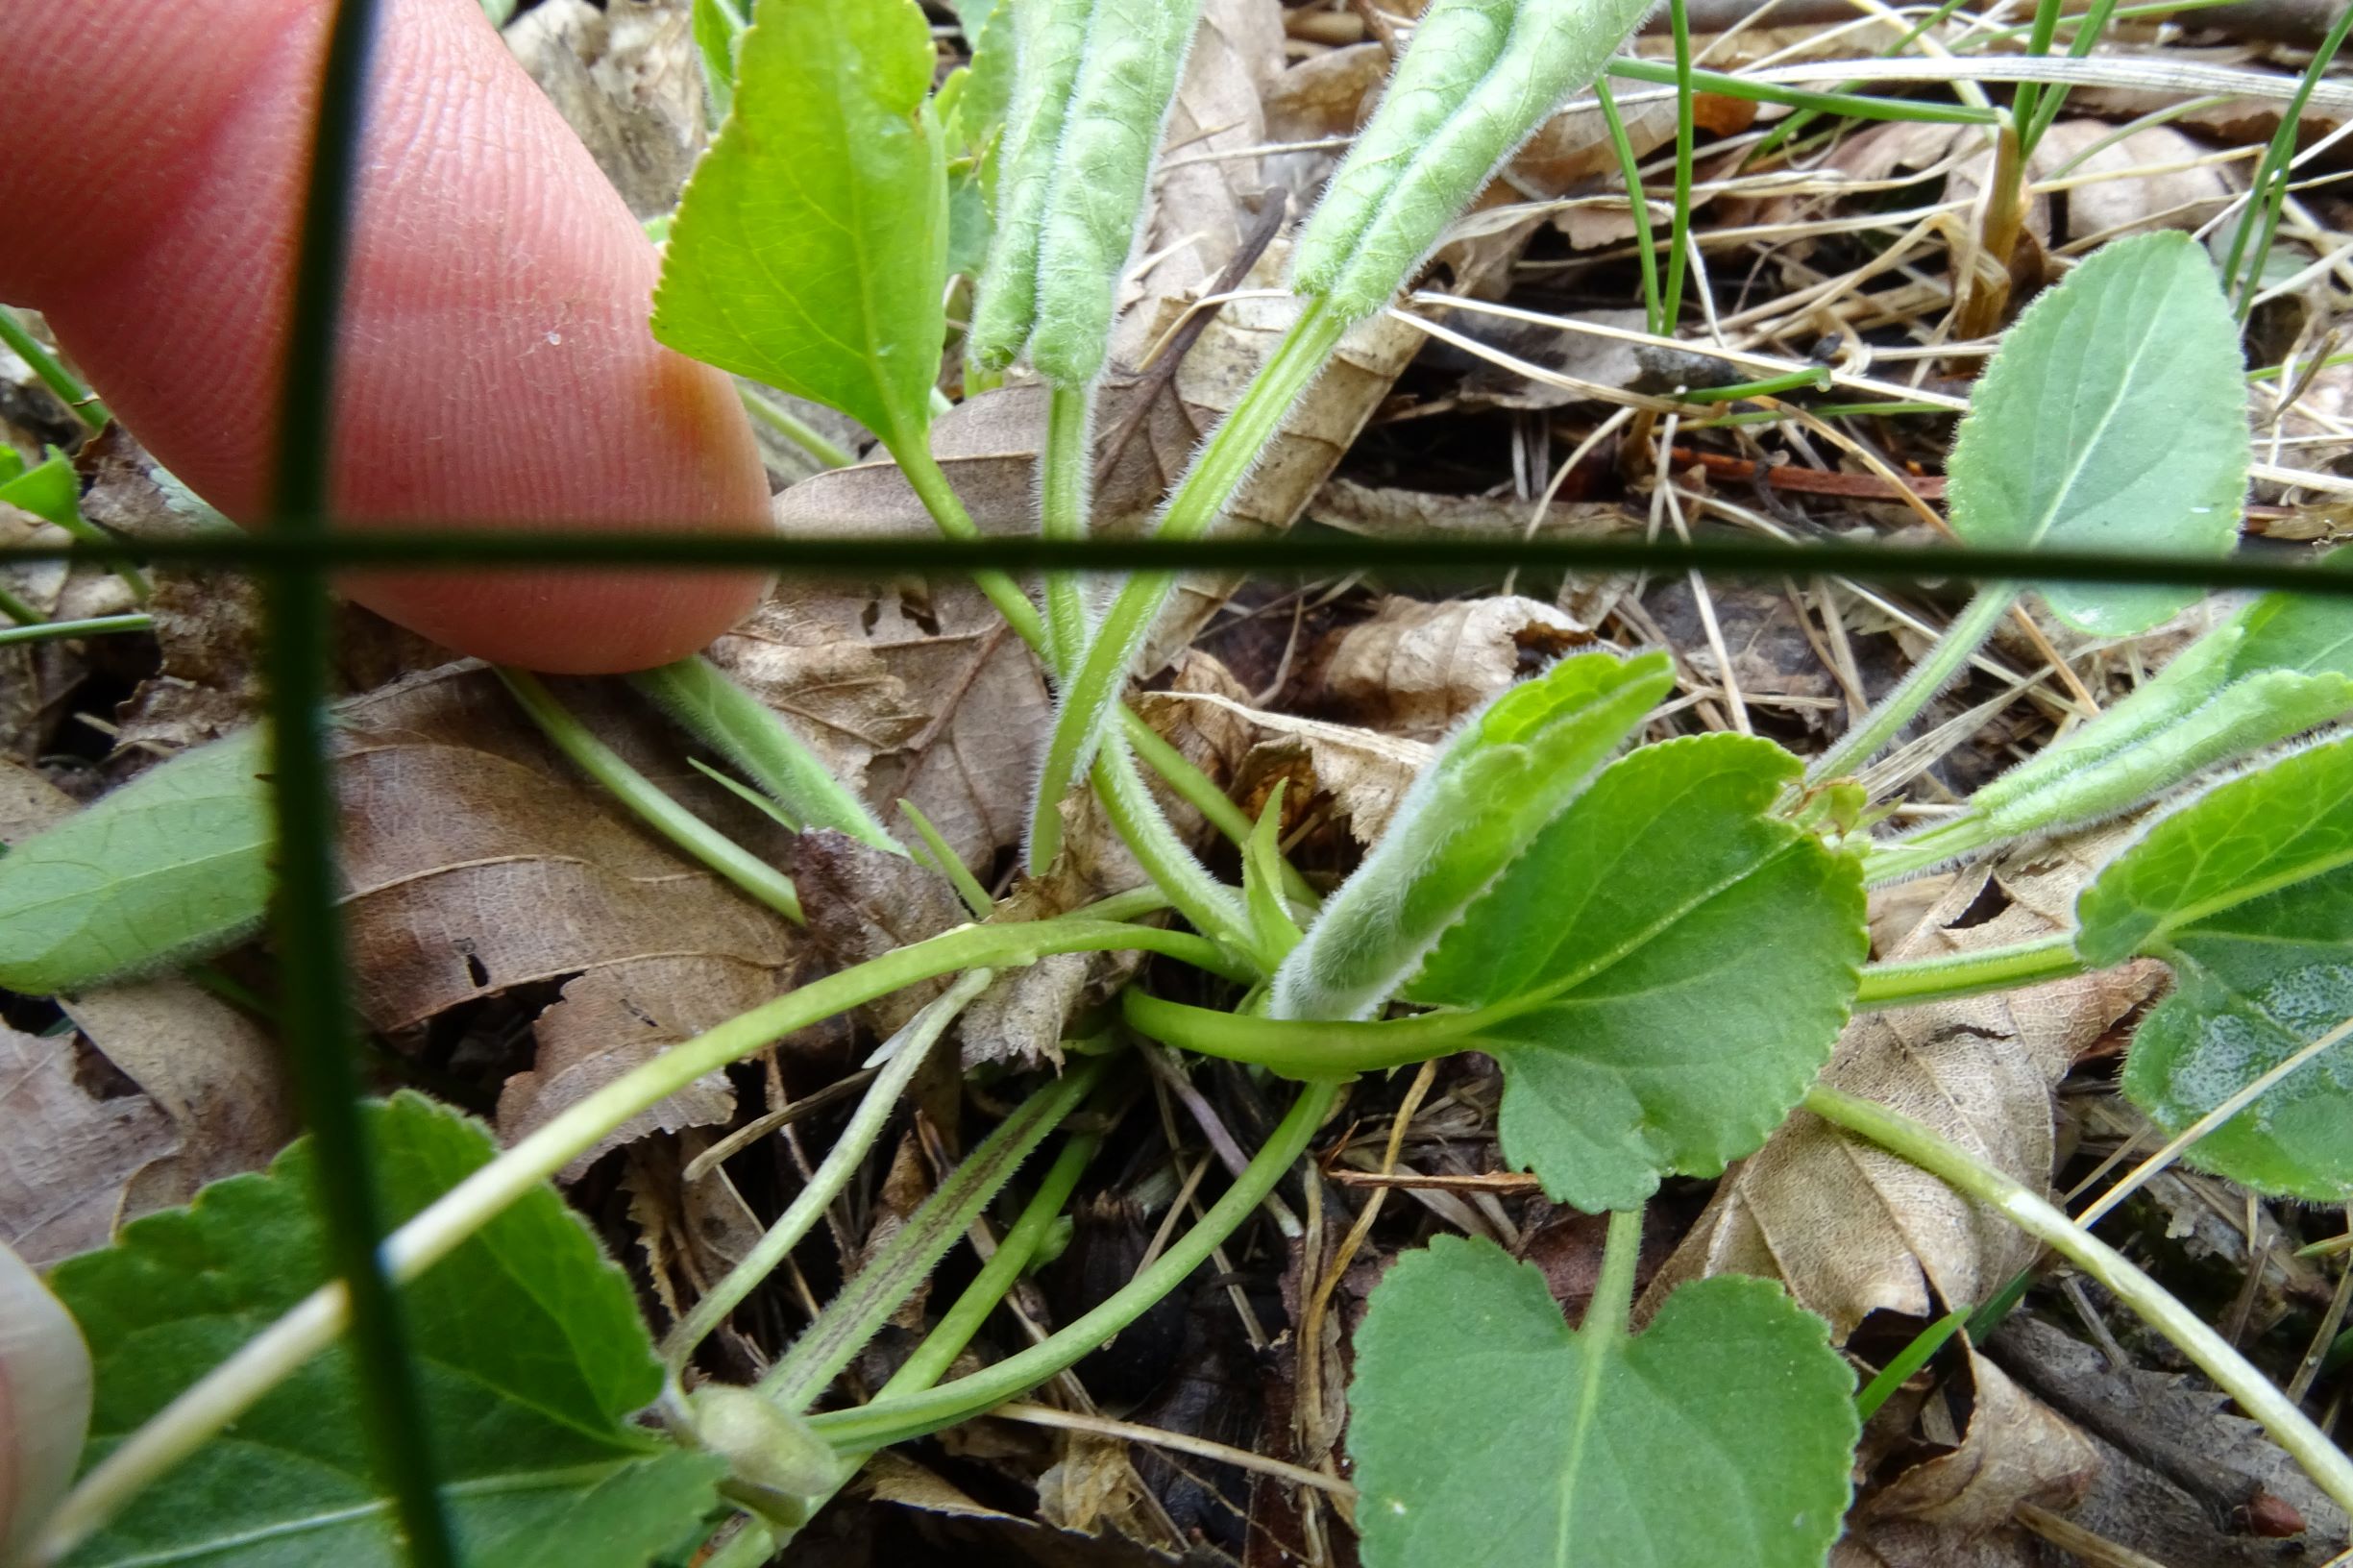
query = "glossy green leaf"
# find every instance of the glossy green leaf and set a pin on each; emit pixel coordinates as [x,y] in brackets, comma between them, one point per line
[531,1358]
[2113,419]
[173,865]
[1488,1434]
[2247,896]
[1511,768]
[810,250]
[1477,80]
[1669,965]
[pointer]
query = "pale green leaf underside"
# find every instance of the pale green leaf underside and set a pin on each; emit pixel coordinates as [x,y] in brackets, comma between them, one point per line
[2113,419]
[174,864]
[1695,955]
[810,250]
[2248,895]
[530,1354]
[1721,1434]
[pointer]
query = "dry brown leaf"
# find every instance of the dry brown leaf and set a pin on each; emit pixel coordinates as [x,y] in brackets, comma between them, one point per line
[692,1232]
[211,1072]
[28,801]
[627,80]
[863,902]
[1364,771]
[1201,192]
[209,1068]
[475,860]
[621,1016]
[1851,1229]
[68,1154]
[903,691]
[2014,1450]
[1416,669]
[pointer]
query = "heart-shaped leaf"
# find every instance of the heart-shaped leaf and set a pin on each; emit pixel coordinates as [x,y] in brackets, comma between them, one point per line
[2247,896]
[2114,418]
[1486,1432]
[1668,965]
[810,250]
[530,1354]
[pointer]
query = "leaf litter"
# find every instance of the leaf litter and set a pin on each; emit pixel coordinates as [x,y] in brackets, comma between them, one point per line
[517,934]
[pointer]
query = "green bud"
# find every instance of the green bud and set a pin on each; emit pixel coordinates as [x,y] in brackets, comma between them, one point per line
[766,1445]
[1093,85]
[1478,80]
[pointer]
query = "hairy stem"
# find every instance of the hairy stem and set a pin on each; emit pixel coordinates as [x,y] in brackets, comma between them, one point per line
[1093,690]
[754,877]
[262,1362]
[700,697]
[826,451]
[947,508]
[1915,982]
[1873,732]
[1062,514]
[2328,1465]
[883,1281]
[1133,814]
[1306,1048]
[909,1046]
[930,1360]
[1136,816]
[892,1420]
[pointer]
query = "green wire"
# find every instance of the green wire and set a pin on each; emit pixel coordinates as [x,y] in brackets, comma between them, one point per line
[298,646]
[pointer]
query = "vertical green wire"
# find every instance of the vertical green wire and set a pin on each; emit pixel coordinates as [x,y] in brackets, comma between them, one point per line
[1686,133]
[315,1020]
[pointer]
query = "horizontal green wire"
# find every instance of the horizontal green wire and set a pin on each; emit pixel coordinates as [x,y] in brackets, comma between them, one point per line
[1441,554]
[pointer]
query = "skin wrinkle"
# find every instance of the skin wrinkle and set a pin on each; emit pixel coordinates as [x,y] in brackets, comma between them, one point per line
[483,228]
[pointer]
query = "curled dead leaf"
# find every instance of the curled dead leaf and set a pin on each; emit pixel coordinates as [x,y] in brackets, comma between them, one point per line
[1416,669]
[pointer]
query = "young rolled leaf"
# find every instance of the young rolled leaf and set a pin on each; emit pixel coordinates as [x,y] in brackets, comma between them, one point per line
[1096,80]
[531,1358]
[810,249]
[2113,419]
[1486,1431]
[1478,78]
[2281,666]
[173,865]
[1667,967]
[1513,766]
[2247,896]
